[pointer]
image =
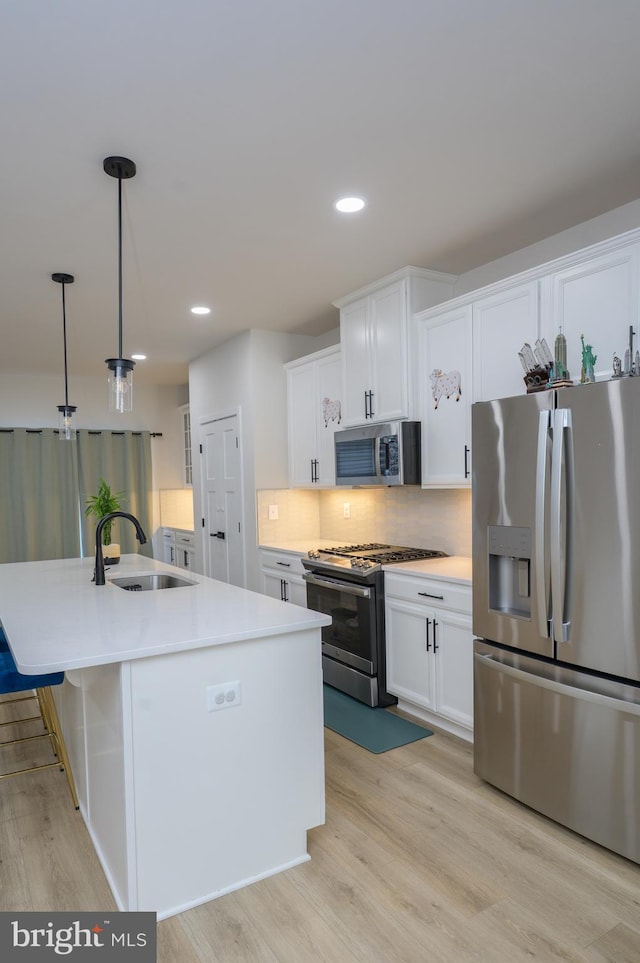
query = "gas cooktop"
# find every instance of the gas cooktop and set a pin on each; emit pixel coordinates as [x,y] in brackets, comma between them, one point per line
[367,557]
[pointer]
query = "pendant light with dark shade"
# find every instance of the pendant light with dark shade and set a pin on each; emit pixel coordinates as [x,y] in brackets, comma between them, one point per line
[66,427]
[120,378]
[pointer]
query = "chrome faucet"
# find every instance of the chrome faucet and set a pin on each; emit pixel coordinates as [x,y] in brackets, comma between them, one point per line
[99,566]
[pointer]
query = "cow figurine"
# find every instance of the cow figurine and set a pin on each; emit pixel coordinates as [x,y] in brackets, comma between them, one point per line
[445,384]
[331,411]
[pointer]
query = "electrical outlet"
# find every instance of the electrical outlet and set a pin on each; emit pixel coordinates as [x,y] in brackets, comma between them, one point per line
[346,510]
[223,696]
[273,513]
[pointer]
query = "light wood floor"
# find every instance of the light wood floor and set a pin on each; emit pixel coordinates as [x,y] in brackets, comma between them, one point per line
[419,862]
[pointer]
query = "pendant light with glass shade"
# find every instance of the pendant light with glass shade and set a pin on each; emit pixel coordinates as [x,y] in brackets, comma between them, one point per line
[120,378]
[66,427]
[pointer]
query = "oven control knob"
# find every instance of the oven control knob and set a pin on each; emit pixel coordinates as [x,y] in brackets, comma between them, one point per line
[313,553]
[357,562]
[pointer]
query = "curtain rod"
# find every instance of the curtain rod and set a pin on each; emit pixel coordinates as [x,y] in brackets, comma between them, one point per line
[90,431]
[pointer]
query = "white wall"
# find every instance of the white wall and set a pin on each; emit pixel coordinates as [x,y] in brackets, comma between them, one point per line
[617,221]
[246,373]
[30,401]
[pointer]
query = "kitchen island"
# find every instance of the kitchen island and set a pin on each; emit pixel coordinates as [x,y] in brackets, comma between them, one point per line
[193,719]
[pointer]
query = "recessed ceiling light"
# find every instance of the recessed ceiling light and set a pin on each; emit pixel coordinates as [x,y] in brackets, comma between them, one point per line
[139,357]
[349,205]
[200,310]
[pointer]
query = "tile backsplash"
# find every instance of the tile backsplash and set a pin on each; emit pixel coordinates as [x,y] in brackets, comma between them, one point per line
[176,508]
[399,516]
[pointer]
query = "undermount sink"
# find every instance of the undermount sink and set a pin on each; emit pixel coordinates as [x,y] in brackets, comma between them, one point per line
[150,583]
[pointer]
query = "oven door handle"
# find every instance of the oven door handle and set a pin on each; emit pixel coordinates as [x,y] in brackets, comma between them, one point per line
[333,583]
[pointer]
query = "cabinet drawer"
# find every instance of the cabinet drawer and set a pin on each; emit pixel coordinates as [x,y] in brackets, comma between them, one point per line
[429,591]
[283,562]
[185,539]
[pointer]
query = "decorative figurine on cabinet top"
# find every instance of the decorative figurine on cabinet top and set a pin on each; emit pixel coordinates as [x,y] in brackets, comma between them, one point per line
[587,375]
[560,377]
[538,365]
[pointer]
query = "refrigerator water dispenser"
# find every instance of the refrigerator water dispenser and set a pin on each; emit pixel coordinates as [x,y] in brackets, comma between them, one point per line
[510,570]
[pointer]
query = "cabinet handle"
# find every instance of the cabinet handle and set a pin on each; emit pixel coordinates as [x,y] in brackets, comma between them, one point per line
[428,595]
[435,644]
[286,564]
[466,461]
[368,404]
[186,560]
[283,590]
[217,535]
[428,646]
[172,556]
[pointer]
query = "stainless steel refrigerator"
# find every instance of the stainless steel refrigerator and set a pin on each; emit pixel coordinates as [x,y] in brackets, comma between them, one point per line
[556,605]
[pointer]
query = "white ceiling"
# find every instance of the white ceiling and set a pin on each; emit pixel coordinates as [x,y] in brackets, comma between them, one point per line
[472,127]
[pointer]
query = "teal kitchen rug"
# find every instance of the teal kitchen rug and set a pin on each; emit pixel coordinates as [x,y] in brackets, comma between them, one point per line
[374,729]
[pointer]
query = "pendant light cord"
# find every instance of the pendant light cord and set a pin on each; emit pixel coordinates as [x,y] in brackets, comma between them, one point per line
[120,354]
[64,339]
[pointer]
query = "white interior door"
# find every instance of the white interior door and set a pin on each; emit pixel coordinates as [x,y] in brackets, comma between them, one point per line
[223,548]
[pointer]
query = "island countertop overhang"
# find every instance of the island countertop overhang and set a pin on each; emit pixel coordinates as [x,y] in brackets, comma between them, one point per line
[55,618]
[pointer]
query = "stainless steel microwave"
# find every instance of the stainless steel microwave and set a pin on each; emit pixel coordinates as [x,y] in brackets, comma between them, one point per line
[385,454]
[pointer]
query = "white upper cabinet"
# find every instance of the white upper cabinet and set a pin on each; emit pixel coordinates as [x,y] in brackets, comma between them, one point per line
[314,401]
[502,322]
[446,393]
[374,333]
[597,298]
[477,336]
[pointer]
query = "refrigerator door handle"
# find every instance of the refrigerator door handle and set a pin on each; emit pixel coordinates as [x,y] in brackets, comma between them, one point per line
[540,550]
[560,688]
[561,554]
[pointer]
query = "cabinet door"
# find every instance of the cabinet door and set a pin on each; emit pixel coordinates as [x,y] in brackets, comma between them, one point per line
[446,395]
[328,414]
[185,558]
[296,591]
[356,374]
[410,668]
[454,666]
[303,418]
[272,584]
[502,323]
[388,347]
[600,300]
[168,547]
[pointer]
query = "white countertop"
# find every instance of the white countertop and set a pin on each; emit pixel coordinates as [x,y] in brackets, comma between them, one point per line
[56,618]
[455,568]
[300,546]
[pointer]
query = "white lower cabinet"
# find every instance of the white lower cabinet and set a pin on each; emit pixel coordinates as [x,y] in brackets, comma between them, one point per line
[179,548]
[282,577]
[185,548]
[430,650]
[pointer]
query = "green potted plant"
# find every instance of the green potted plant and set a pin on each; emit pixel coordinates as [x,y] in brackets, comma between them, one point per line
[100,505]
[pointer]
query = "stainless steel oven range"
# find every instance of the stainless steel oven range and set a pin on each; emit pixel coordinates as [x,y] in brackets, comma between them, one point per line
[347,583]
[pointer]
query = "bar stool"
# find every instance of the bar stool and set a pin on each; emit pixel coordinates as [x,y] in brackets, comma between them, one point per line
[38,688]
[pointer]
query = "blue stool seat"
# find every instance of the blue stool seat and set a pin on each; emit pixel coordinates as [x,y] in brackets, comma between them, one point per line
[39,687]
[13,681]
